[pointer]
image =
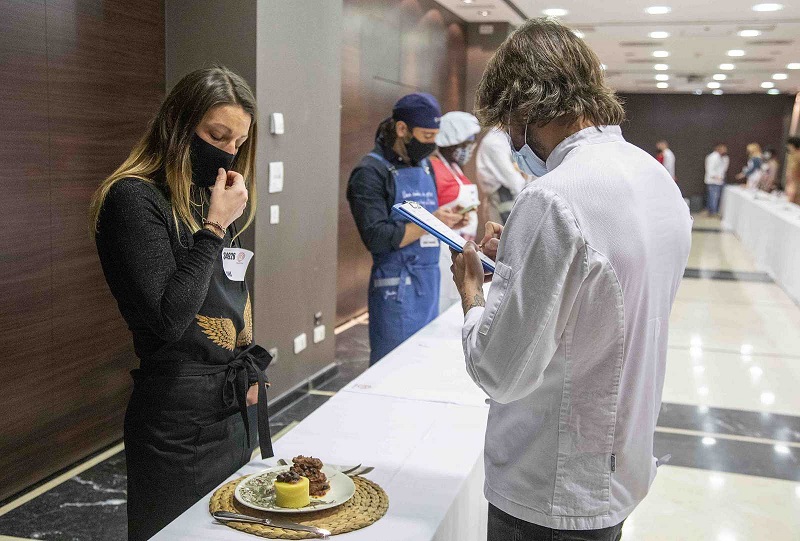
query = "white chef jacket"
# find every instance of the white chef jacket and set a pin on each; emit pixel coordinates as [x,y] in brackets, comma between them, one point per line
[716,168]
[572,343]
[669,162]
[495,167]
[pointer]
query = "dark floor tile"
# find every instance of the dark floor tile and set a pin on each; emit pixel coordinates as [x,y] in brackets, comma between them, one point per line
[734,422]
[717,454]
[300,409]
[736,276]
[88,507]
[353,345]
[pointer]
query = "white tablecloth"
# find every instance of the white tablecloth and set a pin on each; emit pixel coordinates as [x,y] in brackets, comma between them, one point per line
[418,418]
[770,229]
[429,366]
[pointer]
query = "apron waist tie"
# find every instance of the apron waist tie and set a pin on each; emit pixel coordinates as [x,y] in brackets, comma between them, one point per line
[235,393]
[407,271]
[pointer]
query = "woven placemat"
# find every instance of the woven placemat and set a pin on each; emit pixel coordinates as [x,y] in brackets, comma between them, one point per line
[366,507]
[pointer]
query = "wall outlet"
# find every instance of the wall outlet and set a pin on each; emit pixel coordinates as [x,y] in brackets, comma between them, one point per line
[319,334]
[300,343]
[274,354]
[274,214]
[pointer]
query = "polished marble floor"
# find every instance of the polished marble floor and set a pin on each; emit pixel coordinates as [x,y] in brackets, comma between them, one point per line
[731,414]
[730,418]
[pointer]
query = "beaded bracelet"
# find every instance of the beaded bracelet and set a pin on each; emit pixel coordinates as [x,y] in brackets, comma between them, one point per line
[214,225]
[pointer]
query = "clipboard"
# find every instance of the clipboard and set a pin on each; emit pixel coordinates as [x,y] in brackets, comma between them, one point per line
[416,213]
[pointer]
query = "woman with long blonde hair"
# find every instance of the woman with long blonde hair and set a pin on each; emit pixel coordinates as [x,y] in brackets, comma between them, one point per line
[164,227]
[752,171]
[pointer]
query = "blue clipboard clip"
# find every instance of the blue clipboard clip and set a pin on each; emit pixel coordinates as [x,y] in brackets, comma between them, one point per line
[414,212]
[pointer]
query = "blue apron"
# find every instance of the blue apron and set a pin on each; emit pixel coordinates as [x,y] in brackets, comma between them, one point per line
[404,286]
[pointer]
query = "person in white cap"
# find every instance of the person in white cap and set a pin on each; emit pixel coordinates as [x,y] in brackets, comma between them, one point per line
[455,144]
[499,179]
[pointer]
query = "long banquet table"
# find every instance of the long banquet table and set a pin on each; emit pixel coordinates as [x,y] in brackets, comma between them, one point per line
[418,419]
[770,229]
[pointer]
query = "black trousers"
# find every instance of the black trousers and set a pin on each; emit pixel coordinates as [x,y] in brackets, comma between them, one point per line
[504,527]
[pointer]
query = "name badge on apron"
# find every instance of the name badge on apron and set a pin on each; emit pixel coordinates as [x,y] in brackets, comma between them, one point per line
[235,262]
[428,241]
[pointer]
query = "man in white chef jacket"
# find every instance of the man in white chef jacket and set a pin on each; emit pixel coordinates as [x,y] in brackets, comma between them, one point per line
[570,343]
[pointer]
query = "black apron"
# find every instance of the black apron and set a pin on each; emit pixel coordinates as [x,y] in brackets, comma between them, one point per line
[187,426]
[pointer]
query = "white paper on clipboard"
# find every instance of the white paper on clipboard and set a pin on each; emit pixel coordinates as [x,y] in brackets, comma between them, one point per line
[433,225]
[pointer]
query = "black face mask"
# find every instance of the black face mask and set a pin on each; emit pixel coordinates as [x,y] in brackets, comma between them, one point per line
[418,151]
[206,161]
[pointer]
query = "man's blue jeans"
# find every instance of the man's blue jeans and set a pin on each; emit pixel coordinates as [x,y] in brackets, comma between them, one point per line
[714,194]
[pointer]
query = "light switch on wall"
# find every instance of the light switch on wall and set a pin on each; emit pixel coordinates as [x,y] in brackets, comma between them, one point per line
[300,343]
[319,334]
[276,123]
[275,177]
[274,214]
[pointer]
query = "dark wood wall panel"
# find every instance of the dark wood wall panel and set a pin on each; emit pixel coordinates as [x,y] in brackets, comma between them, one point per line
[389,49]
[694,124]
[86,77]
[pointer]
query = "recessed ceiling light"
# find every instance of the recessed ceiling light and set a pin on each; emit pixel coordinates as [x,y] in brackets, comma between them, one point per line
[662,85]
[661,67]
[658,10]
[661,54]
[780,76]
[768,7]
[720,77]
[483,13]
[793,66]
[709,441]
[773,91]
[555,12]
[736,52]
[767,84]
[727,67]
[749,33]
[713,84]
[468,1]
[658,35]
[662,77]
[579,34]
[717,92]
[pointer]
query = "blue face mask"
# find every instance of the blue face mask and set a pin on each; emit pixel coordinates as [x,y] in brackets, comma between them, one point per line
[526,158]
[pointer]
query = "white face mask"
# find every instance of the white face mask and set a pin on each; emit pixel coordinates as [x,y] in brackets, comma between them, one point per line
[463,153]
[526,158]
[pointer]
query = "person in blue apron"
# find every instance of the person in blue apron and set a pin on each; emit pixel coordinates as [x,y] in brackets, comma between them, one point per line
[404,283]
[165,233]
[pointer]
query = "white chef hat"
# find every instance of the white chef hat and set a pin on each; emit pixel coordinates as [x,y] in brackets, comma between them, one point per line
[456,127]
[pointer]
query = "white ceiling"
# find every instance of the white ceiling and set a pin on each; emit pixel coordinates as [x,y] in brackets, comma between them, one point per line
[701,34]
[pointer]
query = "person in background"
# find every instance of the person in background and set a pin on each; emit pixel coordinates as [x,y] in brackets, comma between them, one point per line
[455,142]
[404,283]
[498,177]
[793,169]
[667,158]
[752,171]
[769,168]
[163,222]
[571,343]
[716,168]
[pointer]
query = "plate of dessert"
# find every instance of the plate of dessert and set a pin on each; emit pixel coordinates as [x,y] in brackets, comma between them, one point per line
[305,485]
